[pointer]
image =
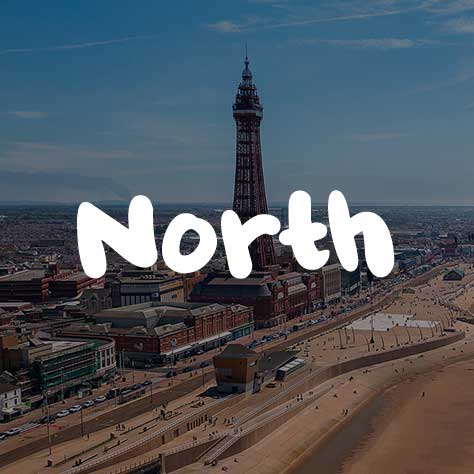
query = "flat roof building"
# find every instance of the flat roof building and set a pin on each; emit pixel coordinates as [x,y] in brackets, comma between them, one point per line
[235,369]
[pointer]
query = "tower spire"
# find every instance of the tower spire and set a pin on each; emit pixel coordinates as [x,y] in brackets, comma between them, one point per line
[249,188]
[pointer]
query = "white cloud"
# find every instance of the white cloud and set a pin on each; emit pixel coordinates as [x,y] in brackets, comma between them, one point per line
[382,44]
[52,157]
[459,26]
[28,114]
[63,47]
[369,43]
[225,26]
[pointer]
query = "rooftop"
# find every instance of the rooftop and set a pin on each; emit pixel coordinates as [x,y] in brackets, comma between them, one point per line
[25,275]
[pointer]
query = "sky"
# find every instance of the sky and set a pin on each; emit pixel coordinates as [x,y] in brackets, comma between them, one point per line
[106,100]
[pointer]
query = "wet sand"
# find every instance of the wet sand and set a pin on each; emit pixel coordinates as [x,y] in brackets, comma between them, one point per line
[414,433]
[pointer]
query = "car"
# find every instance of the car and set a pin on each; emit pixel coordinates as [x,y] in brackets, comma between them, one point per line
[126,390]
[204,364]
[171,373]
[199,352]
[75,409]
[147,382]
[88,404]
[136,386]
[100,399]
[112,393]
[47,418]
[13,432]
[2,436]
[187,369]
[63,413]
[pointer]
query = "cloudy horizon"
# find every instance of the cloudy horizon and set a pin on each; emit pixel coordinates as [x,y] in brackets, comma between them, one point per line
[102,102]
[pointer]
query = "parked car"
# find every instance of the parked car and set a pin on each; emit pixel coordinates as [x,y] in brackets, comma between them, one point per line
[204,364]
[100,399]
[147,382]
[88,404]
[2,436]
[13,432]
[187,369]
[75,409]
[136,386]
[112,393]
[45,418]
[63,413]
[171,373]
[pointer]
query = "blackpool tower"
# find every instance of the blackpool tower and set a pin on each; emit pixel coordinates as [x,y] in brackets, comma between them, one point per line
[249,188]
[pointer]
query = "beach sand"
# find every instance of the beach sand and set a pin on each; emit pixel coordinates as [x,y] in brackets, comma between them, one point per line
[415,433]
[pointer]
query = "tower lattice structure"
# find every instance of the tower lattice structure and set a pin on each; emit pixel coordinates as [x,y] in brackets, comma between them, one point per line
[249,189]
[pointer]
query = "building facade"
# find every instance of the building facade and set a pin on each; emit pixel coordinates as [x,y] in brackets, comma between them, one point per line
[235,369]
[10,400]
[275,298]
[155,333]
[142,287]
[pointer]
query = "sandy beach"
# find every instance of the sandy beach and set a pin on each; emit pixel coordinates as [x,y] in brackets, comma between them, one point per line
[426,424]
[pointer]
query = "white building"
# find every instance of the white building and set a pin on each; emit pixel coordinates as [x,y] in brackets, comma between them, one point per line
[10,399]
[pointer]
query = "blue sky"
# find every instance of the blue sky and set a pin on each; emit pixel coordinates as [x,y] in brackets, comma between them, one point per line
[105,100]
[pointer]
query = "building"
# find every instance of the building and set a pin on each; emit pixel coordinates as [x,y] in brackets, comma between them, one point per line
[26,285]
[70,365]
[59,366]
[350,281]
[10,401]
[261,291]
[40,284]
[249,187]
[331,283]
[456,274]
[273,297]
[72,284]
[300,293]
[155,333]
[235,369]
[137,287]
[94,300]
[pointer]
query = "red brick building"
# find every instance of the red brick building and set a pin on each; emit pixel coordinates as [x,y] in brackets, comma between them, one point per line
[273,297]
[157,332]
[72,284]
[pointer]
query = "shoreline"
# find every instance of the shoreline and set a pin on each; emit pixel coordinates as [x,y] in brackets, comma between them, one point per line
[377,411]
[300,464]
